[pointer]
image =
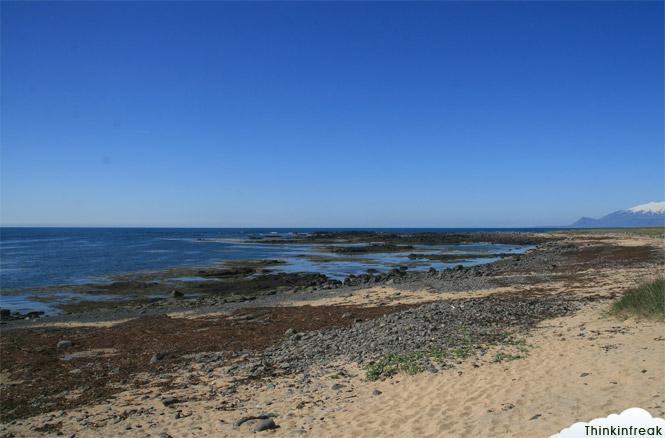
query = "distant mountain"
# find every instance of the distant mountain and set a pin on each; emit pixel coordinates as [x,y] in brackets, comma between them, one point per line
[651,214]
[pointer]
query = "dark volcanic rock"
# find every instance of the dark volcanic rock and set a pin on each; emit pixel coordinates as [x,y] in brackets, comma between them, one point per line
[162,355]
[169,401]
[64,344]
[263,417]
[266,424]
[442,324]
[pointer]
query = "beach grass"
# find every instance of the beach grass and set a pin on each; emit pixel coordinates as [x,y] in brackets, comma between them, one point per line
[505,357]
[392,364]
[415,362]
[647,299]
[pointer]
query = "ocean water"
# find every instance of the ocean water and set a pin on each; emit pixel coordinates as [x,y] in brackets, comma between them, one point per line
[39,257]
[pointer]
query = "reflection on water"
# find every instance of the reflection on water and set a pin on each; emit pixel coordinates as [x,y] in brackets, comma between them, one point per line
[383,262]
[190,278]
[46,302]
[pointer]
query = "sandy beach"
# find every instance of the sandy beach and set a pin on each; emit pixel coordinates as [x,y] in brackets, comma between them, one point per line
[552,355]
[330,219]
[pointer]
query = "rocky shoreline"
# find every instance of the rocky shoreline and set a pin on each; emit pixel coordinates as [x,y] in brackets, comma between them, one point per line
[384,323]
[243,282]
[247,280]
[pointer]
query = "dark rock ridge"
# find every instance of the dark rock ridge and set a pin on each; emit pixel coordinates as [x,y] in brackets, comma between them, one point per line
[417,238]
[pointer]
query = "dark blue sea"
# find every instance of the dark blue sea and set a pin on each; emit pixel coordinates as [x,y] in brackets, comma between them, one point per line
[39,257]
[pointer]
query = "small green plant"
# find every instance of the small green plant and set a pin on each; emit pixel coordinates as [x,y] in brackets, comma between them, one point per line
[461,352]
[392,364]
[647,299]
[520,344]
[438,355]
[414,362]
[505,357]
[380,369]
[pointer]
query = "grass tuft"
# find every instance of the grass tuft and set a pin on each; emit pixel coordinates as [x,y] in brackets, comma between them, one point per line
[647,299]
[388,366]
[505,357]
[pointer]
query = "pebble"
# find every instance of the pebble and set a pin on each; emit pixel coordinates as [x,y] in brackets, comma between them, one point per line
[157,357]
[168,401]
[266,424]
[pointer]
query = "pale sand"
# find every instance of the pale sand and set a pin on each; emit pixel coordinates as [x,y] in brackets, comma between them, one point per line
[501,399]
[80,324]
[377,296]
[495,399]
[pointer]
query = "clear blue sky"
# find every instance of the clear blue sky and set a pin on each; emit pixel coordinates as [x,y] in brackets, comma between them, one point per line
[330,114]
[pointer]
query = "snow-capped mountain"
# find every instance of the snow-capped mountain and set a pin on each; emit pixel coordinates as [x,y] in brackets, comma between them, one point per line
[651,214]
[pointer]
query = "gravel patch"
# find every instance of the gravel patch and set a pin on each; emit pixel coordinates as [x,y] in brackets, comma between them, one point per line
[441,325]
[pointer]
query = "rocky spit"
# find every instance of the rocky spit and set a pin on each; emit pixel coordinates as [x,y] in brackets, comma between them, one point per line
[248,280]
[556,256]
[468,323]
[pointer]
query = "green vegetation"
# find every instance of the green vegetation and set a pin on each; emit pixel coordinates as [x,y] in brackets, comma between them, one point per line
[505,357]
[392,364]
[440,355]
[415,361]
[647,299]
[418,361]
[520,344]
